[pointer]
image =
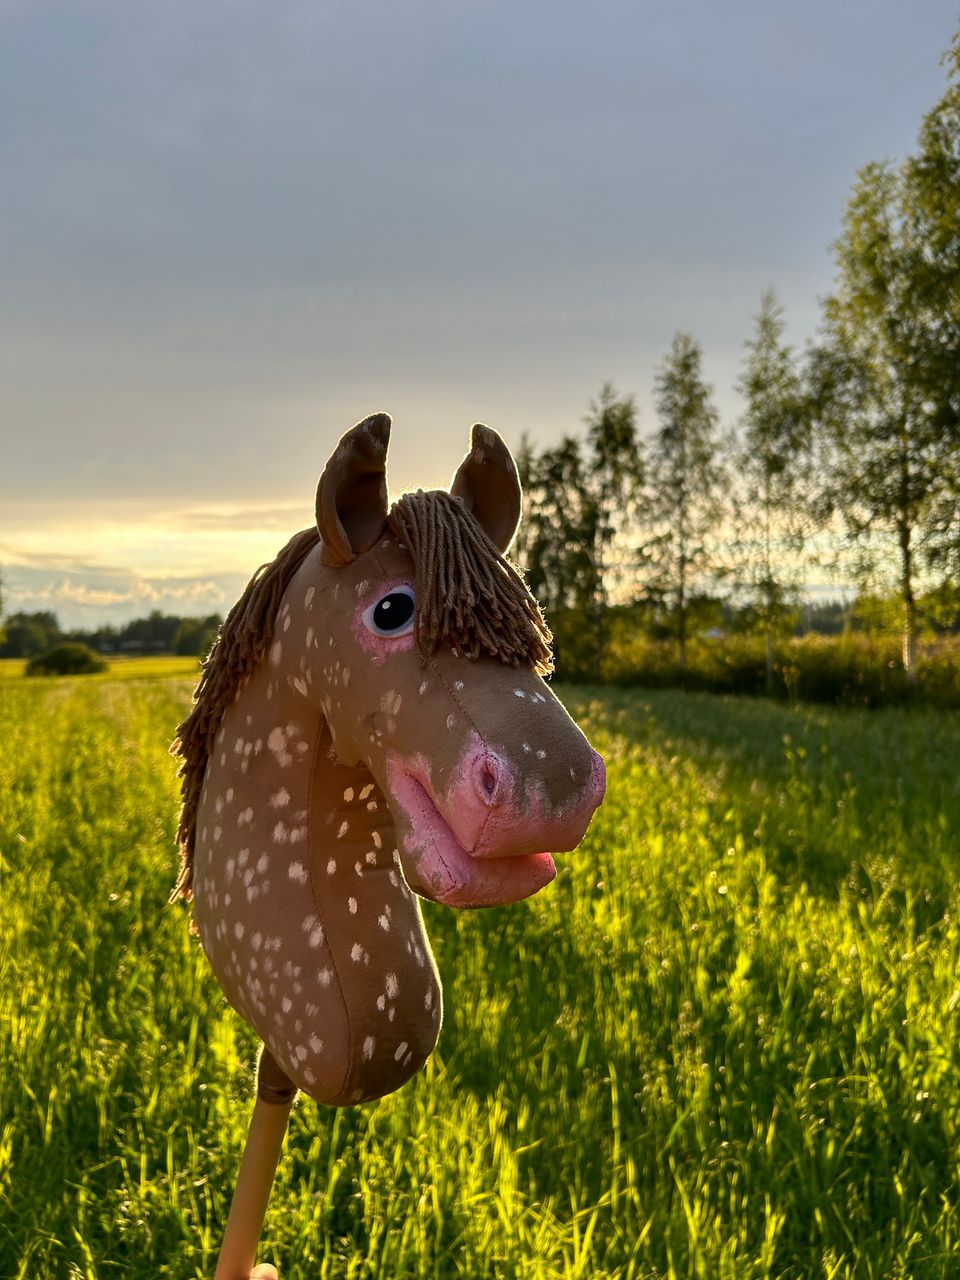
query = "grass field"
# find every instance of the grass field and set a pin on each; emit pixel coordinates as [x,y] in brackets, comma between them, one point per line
[723,1043]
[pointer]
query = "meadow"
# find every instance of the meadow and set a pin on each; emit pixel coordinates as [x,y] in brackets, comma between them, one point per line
[723,1044]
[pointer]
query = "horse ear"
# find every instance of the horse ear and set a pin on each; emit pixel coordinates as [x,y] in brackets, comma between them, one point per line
[488,486]
[352,493]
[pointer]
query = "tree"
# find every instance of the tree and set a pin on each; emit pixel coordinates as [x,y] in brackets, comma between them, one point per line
[555,543]
[29,633]
[574,543]
[614,478]
[685,478]
[885,380]
[771,470]
[195,636]
[615,470]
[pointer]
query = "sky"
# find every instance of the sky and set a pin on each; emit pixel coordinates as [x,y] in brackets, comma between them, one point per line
[230,230]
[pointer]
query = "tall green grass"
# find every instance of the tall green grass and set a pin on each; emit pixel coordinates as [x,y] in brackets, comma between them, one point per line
[722,1044]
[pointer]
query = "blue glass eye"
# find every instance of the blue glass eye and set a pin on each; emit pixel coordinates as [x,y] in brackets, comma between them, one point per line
[392,614]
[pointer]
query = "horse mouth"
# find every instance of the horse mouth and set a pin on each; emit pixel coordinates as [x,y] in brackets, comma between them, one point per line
[438,867]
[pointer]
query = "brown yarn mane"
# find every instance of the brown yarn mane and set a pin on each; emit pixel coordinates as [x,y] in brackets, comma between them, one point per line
[468,596]
[240,648]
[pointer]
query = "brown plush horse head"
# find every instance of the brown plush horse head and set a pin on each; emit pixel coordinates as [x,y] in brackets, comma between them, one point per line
[371,725]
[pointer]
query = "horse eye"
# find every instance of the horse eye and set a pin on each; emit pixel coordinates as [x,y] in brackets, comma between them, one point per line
[392,614]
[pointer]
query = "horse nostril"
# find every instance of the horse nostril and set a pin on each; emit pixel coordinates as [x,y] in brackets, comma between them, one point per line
[487,780]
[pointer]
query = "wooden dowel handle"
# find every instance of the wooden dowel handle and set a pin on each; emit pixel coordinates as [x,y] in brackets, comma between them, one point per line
[275,1095]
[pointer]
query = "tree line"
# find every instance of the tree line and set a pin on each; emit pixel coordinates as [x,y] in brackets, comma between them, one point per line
[846,458]
[27,635]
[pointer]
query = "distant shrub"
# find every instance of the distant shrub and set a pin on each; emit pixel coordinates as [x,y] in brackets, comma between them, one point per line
[66,660]
[853,669]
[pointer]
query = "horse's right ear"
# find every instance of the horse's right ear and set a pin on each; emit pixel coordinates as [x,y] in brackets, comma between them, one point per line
[352,493]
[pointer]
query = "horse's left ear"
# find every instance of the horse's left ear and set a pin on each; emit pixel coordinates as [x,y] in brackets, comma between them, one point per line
[488,486]
[352,493]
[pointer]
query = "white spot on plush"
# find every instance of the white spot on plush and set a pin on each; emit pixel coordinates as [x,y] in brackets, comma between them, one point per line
[301,1052]
[276,741]
[346,676]
[243,857]
[300,686]
[518,693]
[280,799]
[297,871]
[324,976]
[218,805]
[316,1044]
[238,930]
[309,636]
[316,937]
[368,1048]
[391,702]
[245,818]
[286,1004]
[297,834]
[527,747]
[276,653]
[286,623]
[308,598]
[229,794]
[356,953]
[238,746]
[377,842]
[401,1050]
[428,998]
[393,986]
[344,828]
[262,863]
[231,867]
[381,1003]
[348,794]
[451,720]
[280,834]
[541,754]
[366,791]
[371,806]
[331,866]
[309,922]
[352,906]
[458,685]
[384,923]
[423,687]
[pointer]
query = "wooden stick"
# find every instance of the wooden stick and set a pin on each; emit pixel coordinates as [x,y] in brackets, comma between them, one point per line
[275,1095]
